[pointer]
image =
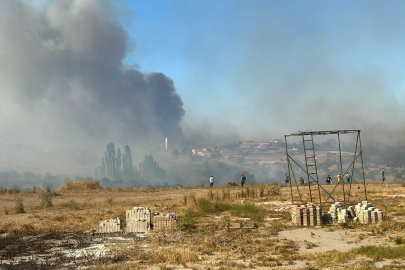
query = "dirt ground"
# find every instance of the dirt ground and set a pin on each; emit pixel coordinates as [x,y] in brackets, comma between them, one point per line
[208,236]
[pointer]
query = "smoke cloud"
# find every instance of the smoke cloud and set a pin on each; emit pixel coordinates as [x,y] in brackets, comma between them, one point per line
[62,68]
[63,83]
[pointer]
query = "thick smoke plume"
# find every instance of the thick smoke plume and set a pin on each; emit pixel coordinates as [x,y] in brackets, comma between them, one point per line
[62,76]
[63,82]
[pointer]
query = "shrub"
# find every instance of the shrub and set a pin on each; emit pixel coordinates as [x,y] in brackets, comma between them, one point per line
[19,205]
[232,184]
[274,190]
[81,185]
[48,188]
[46,199]
[399,240]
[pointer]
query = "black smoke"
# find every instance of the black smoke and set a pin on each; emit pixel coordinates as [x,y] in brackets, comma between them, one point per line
[63,79]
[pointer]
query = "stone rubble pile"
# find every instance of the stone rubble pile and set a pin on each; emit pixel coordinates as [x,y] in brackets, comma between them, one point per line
[363,212]
[310,214]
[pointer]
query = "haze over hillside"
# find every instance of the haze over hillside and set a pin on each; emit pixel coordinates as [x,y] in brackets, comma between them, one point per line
[76,75]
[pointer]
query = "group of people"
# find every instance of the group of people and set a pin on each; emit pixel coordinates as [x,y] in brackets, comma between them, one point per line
[339,178]
[302,181]
[242,180]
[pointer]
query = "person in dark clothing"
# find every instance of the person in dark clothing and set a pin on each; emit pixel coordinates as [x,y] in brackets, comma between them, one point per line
[242,179]
[287,179]
[302,181]
[328,179]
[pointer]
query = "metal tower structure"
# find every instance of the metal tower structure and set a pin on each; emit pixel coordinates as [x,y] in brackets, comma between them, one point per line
[311,169]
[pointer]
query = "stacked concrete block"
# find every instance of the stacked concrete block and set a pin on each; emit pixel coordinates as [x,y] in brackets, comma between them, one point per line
[138,220]
[110,226]
[357,208]
[343,217]
[312,215]
[318,215]
[164,220]
[374,217]
[334,211]
[380,215]
[307,215]
[306,218]
[297,215]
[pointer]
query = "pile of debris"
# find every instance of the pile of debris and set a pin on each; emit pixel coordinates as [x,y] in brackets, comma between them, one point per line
[311,214]
[363,212]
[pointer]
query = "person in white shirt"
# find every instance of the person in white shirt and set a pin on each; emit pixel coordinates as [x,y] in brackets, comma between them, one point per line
[212,181]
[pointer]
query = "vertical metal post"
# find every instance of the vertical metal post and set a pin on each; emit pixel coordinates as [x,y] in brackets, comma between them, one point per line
[306,166]
[362,167]
[289,165]
[354,160]
[341,171]
[316,170]
[295,179]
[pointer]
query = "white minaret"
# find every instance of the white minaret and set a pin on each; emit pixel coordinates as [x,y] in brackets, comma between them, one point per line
[166,144]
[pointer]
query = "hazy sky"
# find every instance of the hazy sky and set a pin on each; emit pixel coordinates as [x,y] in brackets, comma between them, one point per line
[268,68]
[78,74]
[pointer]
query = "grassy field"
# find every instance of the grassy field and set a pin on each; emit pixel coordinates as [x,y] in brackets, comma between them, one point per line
[34,224]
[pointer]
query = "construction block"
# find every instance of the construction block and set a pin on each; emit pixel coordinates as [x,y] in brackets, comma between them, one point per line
[306,218]
[164,220]
[138,220]
[110,226]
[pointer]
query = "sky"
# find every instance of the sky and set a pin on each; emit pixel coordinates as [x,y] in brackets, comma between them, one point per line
[78,74]
[266,68]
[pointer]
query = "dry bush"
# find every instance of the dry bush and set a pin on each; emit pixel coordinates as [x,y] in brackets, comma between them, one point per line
[19,205]
[80,186]
[46,199]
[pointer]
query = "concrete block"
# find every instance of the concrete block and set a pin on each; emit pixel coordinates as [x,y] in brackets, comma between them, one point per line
[297,216]
[164,220]
[366,217]
[374,217]
[138,220]
[312,216]
[343,218]
[380,216]
[319,215]
[306,218]
[110,226]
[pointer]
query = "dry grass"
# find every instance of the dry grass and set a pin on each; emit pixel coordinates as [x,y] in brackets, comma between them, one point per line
[80,186]
[203,237]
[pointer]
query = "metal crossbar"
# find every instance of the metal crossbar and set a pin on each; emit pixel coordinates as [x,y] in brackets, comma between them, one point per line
[314,170]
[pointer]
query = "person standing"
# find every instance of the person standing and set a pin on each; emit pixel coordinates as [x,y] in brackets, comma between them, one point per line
[242,179]
[339,177]
[212,181]
[348,177]
[287,179]
[383,180]
[328,180]
[302,180]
